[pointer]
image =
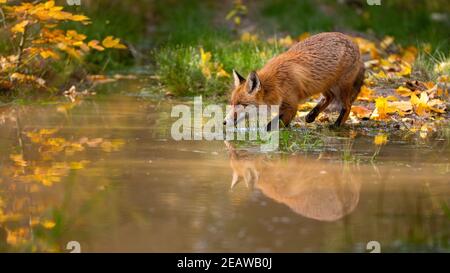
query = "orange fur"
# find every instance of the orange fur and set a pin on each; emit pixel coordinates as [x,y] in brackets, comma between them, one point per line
[318,190]
[326,63]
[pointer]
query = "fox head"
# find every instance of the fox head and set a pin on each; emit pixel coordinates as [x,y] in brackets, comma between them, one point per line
[246,92]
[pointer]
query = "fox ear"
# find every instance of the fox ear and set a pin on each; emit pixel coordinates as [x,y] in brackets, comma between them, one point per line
[238,79]
[253,83]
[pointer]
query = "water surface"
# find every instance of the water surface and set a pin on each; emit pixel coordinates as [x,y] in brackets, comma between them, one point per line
[105,172]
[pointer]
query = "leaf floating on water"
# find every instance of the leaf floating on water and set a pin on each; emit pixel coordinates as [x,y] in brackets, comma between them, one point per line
[112,146]
[380,139]
[18,160]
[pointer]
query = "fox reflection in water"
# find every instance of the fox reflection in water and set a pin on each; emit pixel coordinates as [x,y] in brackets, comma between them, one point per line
[316,189]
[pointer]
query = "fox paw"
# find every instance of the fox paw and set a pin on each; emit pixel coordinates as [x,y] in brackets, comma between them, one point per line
[310,117]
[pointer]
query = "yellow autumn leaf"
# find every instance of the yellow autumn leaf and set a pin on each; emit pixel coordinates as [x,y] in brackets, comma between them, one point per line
[387,41]
[205,57]
[221,73]
[361,111]
[420,104]
[20,27]
[70,50]
[383,107]
[367,47]
[303,36]
[437,106]
[404,92]
[49,54]
[23,78]
[306,106]
[380,75]
[392,98]
[380,139]
[56,15]
[425,129]
[72,34]
[401,107]
[442,67]
[365,94]
[286,41]
[18,160]
[111,42]
[48,224]
[429,85]
[49,4]
[409,55]
[79,18]
[405,70]
[96,45]
[248,37]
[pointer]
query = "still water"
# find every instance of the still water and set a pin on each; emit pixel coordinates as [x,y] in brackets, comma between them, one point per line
[105,172]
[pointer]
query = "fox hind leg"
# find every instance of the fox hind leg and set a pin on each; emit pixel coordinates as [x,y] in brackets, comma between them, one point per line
[343,116]
[347,101]
[323,103]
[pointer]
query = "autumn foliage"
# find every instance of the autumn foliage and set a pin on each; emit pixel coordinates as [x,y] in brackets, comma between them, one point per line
[37,38]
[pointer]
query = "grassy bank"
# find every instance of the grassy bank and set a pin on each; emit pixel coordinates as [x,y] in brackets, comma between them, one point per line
[269,27]
[193,45]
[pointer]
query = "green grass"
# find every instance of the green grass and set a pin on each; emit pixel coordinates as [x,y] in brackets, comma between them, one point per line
[410,22]
[300,140]
[170,33]
[293,17]
[179,67]
[119,19]
[290,141]
[186,27]
[188,23]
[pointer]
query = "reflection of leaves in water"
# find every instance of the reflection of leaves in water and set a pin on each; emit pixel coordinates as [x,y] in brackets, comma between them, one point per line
[18,160]
[42,160]
[113,145]
[46,169]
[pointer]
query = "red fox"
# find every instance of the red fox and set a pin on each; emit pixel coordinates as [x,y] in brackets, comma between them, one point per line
[316,189]
[328,63]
